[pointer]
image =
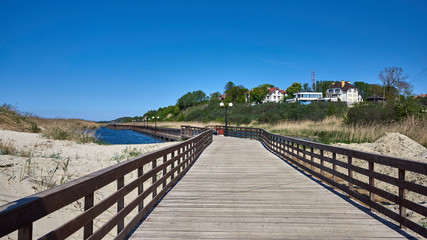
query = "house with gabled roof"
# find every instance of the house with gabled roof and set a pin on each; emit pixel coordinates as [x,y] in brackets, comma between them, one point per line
[274,94]
[345,92]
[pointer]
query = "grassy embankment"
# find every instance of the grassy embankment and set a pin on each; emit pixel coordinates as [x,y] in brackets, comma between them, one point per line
[58,129]
[331,129]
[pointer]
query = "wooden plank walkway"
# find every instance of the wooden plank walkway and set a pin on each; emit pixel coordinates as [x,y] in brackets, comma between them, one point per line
[239,190]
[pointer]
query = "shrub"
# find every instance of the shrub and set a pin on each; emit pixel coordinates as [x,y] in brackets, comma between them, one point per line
[370,113]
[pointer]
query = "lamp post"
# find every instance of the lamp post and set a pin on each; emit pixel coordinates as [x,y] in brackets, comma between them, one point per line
[155,122]
[226,106]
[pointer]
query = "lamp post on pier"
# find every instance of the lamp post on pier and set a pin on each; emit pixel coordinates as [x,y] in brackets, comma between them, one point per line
[226,106]
[155,122]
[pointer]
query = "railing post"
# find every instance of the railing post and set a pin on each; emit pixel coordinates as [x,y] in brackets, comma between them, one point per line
[312,159]
[334,168]
[321,163]
[154,178]
[350,173]
[120,204]
[165,158]
[186,157]
[26,232]
[402,194]
[371,183]
[88,228]
[173,163]
[141,188]
[303,155]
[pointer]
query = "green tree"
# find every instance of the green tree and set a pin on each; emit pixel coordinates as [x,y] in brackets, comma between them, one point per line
[258,94]
[365,89]
[199,96]
[191,99]
[322,86]
[214,97]
[228,86]
[306,87]
[294,88]
[237,94]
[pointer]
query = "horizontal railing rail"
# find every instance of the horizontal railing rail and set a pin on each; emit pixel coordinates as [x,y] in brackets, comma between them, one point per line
[336,167]
[155,174]
[189,131]
[161,132]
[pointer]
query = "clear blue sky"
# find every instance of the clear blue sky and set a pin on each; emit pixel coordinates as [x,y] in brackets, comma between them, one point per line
[100,60]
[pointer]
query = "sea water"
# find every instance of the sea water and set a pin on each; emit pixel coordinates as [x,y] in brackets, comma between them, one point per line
[112,136]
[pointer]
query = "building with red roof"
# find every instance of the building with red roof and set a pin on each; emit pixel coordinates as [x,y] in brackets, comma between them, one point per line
[274,94]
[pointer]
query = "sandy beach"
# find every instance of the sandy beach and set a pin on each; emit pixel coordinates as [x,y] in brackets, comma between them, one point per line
[35,163]
[38,163]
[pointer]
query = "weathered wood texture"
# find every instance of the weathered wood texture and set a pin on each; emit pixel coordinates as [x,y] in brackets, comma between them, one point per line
[190,131]
[350,179]
[163,167]
[238,190]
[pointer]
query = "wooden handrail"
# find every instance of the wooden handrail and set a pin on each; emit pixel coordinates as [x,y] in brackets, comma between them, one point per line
[170,163]
[312,157]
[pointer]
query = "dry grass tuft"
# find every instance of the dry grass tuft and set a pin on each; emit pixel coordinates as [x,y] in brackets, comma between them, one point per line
[332,130]
[59,129]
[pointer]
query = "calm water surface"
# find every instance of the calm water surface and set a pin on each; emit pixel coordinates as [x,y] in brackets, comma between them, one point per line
[111,136]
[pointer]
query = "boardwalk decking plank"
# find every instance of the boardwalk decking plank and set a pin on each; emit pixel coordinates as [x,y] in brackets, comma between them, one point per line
[239,190]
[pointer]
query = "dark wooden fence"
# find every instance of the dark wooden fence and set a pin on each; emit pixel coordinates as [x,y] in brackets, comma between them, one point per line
[167,134]
[160,170]
[322,161]
[190,131]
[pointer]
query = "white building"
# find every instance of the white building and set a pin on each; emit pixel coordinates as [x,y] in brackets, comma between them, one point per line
[274,95]
[345,92]
[307,97]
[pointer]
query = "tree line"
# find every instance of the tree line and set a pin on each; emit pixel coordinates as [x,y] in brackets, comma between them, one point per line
[197,105]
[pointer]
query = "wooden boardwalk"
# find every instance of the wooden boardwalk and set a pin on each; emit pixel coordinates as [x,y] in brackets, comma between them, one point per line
[239,190]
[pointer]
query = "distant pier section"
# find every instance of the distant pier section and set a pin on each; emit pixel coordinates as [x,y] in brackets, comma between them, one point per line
[166,134]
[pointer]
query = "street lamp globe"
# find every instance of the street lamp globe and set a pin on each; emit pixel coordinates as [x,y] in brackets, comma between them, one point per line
[221,104]
[230,104]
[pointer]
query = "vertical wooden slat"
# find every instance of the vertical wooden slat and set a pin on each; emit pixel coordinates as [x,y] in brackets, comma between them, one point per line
[141,188]
[165,158]
[321,163]
[154,177]
[303,155]
[350,173]
[120,204]
[371,182]
[88,228]
[186,156]
[173,163]
[334,167]
[26,232]
[312,158]
[402,194]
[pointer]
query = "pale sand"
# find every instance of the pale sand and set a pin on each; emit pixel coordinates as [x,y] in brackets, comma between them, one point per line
[24,177]
[40,162]
[396,145]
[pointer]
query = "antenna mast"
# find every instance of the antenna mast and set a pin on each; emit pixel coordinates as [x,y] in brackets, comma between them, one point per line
[313,80]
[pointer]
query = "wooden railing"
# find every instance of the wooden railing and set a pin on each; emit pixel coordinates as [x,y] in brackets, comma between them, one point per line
[189,131]
[336,167]
[168,134]
[159,170]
